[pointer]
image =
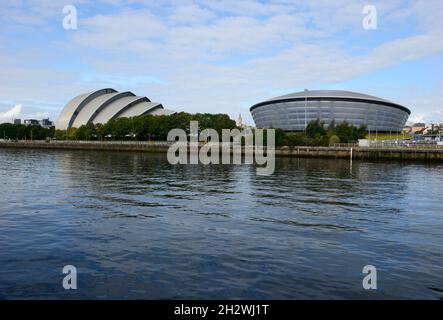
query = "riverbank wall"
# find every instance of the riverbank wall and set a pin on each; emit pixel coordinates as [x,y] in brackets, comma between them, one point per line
[416,153]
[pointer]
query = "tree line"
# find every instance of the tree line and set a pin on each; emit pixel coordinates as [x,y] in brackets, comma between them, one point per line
[156,128]
[317,135]
[23,132]
[145,127]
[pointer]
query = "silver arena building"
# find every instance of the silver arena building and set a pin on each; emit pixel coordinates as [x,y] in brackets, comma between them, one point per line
[291,112]
[103,105]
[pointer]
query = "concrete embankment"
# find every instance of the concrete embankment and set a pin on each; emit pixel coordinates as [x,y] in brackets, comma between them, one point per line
[87,145]
[386,153]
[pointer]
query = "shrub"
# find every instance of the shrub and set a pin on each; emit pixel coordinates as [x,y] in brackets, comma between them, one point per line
[315,129]
[333,140]
[294,139]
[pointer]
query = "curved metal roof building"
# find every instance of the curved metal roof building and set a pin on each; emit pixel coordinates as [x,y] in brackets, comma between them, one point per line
[293,111]
[103,105]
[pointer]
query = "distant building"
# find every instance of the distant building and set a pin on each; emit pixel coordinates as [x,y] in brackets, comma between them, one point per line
[239,121]
[435,129]
[46,123]
[293,112]
[31,122]
[103,105]
[17,121]
[406,130]
[418,128]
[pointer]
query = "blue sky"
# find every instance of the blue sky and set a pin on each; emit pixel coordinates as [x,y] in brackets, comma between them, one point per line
[219,56]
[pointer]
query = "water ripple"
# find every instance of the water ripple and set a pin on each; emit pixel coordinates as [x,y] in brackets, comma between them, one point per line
[137,227]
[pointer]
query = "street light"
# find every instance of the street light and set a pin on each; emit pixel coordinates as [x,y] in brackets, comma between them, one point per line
[306,105]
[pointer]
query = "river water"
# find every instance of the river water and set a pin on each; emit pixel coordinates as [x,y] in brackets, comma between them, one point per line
[136,227]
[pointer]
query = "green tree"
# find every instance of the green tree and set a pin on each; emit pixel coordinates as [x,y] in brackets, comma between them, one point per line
[60,135]
[315,129]
[333,139]
[86,132]
[295,139]
[72,134]
[331,126]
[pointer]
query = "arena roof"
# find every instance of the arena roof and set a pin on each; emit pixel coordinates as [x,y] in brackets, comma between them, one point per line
[330,95]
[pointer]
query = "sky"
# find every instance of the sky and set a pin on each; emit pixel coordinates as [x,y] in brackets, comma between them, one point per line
[219,56]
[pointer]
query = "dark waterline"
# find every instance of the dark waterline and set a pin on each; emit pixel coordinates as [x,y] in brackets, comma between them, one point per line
[138,228]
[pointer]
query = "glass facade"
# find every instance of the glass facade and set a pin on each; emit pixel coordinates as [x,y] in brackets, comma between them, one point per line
[291,115]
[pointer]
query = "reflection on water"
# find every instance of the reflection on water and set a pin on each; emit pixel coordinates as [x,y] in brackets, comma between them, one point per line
[137,227]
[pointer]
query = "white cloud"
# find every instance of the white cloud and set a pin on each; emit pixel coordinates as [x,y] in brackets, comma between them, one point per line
[8,115]
[191,14]
[216,56]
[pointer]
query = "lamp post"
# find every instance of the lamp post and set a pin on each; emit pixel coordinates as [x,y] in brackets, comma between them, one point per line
[306,105]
